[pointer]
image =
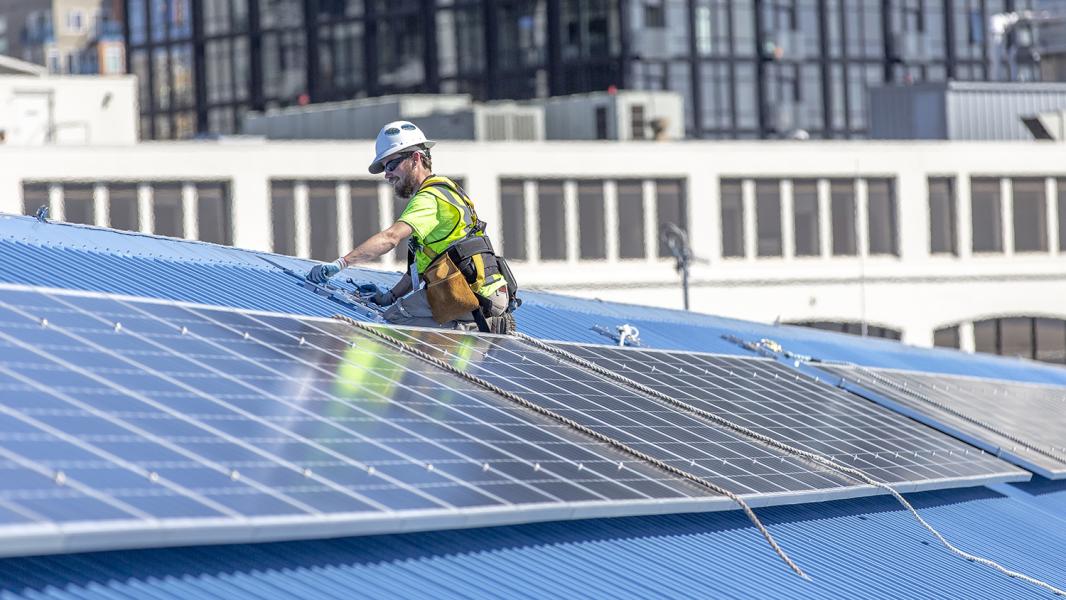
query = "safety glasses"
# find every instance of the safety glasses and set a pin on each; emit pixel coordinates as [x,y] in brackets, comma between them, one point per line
[394,164]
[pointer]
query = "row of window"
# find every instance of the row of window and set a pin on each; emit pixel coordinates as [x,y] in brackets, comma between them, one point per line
[611,219]
[197,210]
[548,220]
[1006,214]
[797,206]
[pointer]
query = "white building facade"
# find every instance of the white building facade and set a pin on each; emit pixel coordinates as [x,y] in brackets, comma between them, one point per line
[955,243]
[39,109]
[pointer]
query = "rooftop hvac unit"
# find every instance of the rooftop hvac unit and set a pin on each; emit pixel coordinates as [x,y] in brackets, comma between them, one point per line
[510,122]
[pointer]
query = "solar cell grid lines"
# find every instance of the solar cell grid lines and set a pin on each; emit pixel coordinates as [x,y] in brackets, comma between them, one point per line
[732,461]
[771,399]
[1024,423]
[128,411]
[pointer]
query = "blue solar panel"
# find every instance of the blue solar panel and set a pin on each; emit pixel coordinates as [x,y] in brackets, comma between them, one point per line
[129,414]
[771,399]
[1024,423]
[731,460]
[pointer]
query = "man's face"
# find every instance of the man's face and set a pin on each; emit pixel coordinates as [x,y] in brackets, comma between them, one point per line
[401,176]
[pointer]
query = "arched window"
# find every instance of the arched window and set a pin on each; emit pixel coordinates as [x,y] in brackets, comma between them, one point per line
[1038,338]
[1029,337]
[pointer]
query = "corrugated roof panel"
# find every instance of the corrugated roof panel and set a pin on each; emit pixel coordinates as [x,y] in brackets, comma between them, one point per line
[864,548]
[89,258]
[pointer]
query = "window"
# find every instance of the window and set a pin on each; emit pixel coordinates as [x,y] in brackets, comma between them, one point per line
[986,336]
[942,216]
[842,212]
[365,212]
[1030,215]
[168,210]
[124,209]
[590,219]
[987,216]
[34,196]
[1061,184]
[601,122]
[1051,340]
[78,204]
[1016,337]
[654,14]
[805,217]
[946,337]
[881,216]
[398,206]
[76,20]
[283,217]
[513,215]
[768,217]
[630,219]
[636,121]
[552,212]
[113,64]
[322,212]
[732,218]
[670,207]
[214,213]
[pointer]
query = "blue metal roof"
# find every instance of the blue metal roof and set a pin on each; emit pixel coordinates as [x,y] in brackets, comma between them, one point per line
[89,258]
[855,548]
[863,548]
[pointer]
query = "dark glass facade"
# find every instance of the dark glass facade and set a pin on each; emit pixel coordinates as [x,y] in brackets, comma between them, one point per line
[746,68]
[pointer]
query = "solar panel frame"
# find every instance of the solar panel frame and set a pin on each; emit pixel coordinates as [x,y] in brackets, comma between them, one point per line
[935,406]
[775,395]
[52,537]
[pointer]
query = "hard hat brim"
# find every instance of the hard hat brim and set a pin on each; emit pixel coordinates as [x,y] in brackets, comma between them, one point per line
[378,166]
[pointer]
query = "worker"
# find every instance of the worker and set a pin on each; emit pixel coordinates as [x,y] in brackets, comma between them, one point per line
[466,284]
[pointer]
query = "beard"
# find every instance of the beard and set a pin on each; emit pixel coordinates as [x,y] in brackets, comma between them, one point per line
[405,186]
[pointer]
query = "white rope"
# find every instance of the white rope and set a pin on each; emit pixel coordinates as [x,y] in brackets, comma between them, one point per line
[817,458]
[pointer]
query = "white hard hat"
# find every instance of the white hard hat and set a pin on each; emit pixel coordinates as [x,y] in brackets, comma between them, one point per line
[397,137]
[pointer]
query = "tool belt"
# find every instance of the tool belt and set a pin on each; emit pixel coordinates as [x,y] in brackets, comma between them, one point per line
[454,276]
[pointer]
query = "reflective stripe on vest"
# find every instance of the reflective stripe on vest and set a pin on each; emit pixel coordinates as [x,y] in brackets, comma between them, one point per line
[444,190]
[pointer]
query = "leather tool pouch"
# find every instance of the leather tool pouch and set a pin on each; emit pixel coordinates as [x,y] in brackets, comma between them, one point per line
[447,291]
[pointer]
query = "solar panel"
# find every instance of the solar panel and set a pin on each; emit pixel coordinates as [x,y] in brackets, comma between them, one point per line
[774,400]
[127,423]
[731,460]
[1023,423]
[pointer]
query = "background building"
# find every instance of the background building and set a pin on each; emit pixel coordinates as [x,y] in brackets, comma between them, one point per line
[746,68]
[66,36]
[41,109]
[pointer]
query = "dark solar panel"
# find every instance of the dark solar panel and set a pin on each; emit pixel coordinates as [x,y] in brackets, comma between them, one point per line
[774,400]
[1022,422]
[132,413]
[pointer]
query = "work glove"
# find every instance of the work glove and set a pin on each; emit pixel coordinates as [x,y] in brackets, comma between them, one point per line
[384,298]
[321,273]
